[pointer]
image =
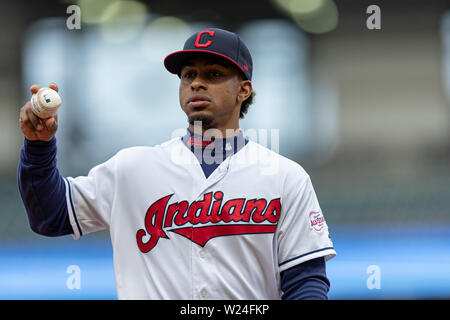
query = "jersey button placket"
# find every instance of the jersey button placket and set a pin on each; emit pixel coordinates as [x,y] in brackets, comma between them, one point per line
[215,177]
[200,266]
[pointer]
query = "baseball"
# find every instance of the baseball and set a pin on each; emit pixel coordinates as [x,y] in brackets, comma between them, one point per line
[45,102]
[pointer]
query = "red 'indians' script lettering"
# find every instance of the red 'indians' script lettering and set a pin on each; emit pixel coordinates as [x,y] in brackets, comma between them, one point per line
[208,218]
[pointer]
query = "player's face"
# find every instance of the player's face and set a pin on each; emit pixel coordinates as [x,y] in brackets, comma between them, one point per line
[212,92]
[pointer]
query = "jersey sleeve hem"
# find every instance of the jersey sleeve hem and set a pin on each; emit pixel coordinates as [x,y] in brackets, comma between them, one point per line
[327,252]
[71,209]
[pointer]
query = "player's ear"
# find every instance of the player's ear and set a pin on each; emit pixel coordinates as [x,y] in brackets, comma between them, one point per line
[245,90]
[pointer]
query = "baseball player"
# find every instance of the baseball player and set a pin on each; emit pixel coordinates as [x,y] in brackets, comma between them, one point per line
[209,215]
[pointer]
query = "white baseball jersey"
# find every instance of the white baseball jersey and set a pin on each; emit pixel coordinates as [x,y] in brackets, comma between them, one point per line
[178,235]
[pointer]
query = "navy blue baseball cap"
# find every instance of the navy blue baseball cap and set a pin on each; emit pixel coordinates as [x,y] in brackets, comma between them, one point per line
[216,42]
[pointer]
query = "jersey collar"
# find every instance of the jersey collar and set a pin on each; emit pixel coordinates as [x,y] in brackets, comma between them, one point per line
[219,148]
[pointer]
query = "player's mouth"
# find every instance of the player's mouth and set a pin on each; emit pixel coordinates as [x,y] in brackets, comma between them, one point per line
[198,101]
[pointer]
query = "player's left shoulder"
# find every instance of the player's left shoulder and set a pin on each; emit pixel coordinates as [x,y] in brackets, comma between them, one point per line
[281,165]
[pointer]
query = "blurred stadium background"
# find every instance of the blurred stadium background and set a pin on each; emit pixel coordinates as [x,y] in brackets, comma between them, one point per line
[366,112]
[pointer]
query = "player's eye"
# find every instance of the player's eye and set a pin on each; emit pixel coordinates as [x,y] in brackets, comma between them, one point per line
[215,73]
[188,74]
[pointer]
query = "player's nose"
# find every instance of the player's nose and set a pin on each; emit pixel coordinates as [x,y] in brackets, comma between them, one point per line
[198,83]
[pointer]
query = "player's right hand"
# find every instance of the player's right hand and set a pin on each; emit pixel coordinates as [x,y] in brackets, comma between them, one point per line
[33,127]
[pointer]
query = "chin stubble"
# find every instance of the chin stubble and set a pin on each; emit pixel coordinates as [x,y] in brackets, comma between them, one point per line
[204,122]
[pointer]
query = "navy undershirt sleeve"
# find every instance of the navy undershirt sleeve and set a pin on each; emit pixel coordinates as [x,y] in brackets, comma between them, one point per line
[42,189]
[305,281]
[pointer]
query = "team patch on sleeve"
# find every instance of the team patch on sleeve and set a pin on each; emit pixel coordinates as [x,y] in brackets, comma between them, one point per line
[317,220]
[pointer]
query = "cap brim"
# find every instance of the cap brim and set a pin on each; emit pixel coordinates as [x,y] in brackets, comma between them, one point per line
[176,60]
